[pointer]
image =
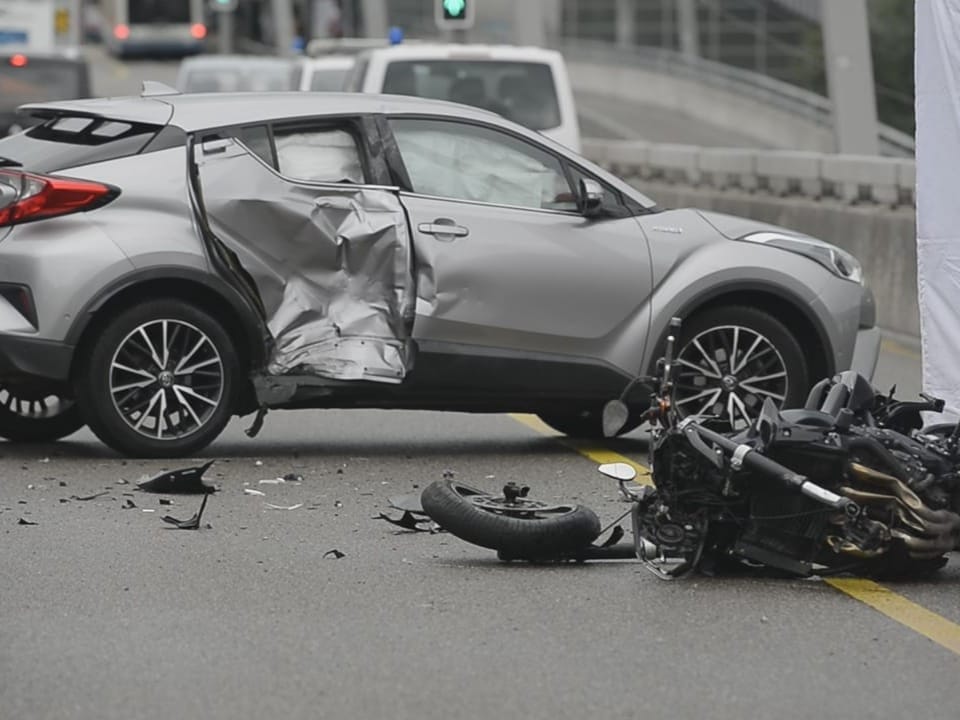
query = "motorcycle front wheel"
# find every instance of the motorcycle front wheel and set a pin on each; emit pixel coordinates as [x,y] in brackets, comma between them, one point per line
[518,528]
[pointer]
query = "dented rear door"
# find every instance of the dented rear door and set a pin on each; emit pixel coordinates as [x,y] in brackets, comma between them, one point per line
[326,252]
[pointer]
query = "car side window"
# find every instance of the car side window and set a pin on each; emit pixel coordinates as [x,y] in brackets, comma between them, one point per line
[318,154]
[257,138]
[462,161]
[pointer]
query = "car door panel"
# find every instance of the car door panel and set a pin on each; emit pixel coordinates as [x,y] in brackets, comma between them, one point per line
[331,263]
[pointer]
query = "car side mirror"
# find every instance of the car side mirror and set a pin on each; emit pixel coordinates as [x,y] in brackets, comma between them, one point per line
[591,197]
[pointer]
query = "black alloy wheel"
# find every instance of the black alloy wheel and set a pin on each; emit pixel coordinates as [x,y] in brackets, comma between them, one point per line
[161,381]
[733,359]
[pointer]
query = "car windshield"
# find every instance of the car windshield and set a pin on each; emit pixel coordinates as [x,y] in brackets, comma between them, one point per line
[520,91]
[39,81]
[240,78]
[328,80]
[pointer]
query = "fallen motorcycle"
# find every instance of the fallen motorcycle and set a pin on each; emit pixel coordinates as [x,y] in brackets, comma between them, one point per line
[850,483]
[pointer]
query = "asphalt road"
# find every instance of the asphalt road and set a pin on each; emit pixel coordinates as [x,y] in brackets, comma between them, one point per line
[108,612]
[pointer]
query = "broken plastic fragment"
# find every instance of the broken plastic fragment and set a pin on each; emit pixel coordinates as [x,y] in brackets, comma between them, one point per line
[166,501]
[251,491]
[335,554]
[409,521]
[284,507]
[128,504]
[24,521]
[191,524]
[188,481]
[410,503]
[293,477]
[273,481]
[89,497]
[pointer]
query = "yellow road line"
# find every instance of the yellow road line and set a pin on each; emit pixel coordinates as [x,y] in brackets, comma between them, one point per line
[587,448]
[896,607]
[896,348]
[906,612]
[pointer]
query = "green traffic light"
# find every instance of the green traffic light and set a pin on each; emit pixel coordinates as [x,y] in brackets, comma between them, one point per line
[454,8]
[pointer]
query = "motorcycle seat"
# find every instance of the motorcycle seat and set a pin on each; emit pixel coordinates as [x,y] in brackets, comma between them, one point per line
[810,418]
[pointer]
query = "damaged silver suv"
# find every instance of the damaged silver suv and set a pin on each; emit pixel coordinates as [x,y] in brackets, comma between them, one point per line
[168,261]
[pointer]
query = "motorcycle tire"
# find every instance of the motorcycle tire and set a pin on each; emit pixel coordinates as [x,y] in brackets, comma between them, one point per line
[525,530]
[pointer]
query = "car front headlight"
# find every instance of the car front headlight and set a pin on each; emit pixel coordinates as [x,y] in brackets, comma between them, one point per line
[839,262]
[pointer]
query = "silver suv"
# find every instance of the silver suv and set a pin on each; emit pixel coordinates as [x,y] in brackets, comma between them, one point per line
[169,261]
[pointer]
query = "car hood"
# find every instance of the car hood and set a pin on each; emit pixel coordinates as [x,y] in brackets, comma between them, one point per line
[733,227]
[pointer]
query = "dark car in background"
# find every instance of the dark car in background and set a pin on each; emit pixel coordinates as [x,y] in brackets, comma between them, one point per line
[28,77]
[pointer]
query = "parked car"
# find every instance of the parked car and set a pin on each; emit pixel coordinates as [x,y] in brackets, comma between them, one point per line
[528,85]
[33,77]
[324,74]
[354,250]
[236,73]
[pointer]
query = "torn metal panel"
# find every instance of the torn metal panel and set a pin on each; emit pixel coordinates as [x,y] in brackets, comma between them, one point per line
[332,264]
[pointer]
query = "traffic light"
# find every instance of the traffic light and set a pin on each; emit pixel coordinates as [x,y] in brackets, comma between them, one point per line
[455,14]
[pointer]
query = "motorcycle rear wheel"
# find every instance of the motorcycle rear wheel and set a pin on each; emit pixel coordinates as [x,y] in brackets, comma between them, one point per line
[520,530]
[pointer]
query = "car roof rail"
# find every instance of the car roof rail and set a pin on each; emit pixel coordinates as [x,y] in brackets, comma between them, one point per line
[153,88]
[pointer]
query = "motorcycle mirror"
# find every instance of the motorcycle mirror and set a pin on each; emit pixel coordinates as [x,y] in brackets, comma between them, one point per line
[618,471]
[615,415]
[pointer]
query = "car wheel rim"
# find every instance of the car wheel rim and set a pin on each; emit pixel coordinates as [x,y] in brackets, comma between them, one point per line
[729,372]
[166,379]
[34,405]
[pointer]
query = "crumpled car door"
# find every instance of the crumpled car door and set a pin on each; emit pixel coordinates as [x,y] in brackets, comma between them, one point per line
[331,264]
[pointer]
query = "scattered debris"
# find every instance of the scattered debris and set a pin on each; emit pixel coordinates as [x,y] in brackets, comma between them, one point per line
[410,521]
[148,510]
[128,504]
[166,501]
[448,474]
[187,481]
[335,554]
[63,483]
[337,504]
[45,460]
[284,507]
[194,522]
[251,491]
[410,503]
[293,477]
[24,521]
[121,481]
[259,463]
[273,481]
[89,497]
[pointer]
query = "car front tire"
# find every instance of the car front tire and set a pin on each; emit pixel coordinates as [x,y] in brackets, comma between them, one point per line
[160,381]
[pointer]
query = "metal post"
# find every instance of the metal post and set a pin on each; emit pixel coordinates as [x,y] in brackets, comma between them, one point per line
[760,38]
[75,33]
[689,29]
[625,23]
[225,33]
[529,25]
[846,41]
[375,18]
[283,26]
[348,23]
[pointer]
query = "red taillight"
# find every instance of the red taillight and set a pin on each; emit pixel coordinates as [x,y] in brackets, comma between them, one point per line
[19,60]
[198,31]
[31,197]
[121,32]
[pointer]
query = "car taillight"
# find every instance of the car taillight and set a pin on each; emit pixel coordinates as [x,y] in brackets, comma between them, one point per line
[121,32]
[25,197]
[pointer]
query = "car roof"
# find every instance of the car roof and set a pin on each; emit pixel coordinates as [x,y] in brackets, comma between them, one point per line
[329,61]
[192,112]
[219,61]
[458,51]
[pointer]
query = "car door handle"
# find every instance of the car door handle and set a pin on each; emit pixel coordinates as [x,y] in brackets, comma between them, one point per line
[443,228]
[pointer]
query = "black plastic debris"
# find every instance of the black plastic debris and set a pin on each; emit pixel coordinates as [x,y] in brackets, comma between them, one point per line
[409,521]
[191,524]
[84,498]
[24,521]
[128,504]
[166,501]
[335,554]
[292,477]
[186,481]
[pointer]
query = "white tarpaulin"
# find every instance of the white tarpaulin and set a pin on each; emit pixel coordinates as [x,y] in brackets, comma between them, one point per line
[938,208]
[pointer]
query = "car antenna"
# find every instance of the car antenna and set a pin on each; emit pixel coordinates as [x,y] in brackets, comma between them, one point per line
[153,88]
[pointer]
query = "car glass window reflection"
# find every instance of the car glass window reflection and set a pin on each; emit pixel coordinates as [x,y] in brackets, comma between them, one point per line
[469,162]
[327,155]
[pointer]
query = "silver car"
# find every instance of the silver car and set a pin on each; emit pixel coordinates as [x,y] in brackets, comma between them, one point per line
[168,261]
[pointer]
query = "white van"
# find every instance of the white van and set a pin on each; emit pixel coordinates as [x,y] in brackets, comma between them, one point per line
[528,85]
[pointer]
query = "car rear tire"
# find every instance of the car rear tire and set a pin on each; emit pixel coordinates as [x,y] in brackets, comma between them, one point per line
[32,415]
[161,380]
[522,530]
[732,358]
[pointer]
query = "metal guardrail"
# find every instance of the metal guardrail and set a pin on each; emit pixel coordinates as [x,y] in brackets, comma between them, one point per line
[851,179]
[734,80]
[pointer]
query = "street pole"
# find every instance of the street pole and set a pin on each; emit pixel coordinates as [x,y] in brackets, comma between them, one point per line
[375,18]
[846,42]
[529,24]
[225,33]
[283,26]
[625,23]
[689,29]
